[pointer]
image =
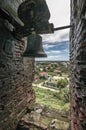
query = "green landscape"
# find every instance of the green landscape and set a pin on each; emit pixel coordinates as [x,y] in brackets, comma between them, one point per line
[57,100]
[51,84]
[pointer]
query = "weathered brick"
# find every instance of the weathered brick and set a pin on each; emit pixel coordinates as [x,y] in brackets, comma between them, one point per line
[16,75]
[78,63]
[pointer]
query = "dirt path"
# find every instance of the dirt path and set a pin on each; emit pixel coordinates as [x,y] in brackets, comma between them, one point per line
[40,86]
[51,89]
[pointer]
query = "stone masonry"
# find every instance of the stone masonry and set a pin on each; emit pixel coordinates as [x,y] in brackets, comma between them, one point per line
[16,76]
[78,65]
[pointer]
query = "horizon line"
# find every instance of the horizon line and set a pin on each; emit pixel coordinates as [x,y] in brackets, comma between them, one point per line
[51,61]
[57,41]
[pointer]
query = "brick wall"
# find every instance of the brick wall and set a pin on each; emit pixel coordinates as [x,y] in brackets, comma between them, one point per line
[16,76]
[78,65]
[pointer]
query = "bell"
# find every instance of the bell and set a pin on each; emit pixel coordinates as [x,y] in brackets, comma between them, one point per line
[34,47]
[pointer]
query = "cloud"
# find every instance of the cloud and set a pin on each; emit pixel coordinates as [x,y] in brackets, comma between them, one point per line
[46,46]
[53,58]
[65,36]
[57,36]
[55,52]
[60,12]
[58,52]
[56,46]
[66,50]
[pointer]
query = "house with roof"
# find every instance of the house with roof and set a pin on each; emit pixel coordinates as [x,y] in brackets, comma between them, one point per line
[43,74]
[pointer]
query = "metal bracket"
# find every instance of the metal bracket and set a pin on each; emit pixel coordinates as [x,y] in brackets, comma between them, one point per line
[61,28]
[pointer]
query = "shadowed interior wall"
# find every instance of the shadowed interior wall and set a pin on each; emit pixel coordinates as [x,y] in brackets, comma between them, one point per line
[78,65]
[16,76]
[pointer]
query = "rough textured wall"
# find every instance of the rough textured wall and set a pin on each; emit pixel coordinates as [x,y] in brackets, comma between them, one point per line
[78,65]
[16,76]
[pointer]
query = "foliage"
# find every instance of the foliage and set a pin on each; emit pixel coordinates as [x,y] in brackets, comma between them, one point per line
[50,67]
[37,72]
[42,77]
[39,81]
[63,95]
[62,83]
[51,84]
[52,73]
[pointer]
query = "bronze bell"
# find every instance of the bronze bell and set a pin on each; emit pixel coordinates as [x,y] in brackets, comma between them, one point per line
[34,47]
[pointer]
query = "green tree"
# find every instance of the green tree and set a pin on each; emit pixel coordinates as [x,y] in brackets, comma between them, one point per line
[62,83]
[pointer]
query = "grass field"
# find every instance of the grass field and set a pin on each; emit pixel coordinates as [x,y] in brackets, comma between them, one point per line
[50,98]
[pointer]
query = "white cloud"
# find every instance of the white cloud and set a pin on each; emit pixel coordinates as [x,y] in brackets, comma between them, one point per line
[66,51]
[57,36]
[60,12]
[53,58]
[53,52]
[48,46]
[45,45]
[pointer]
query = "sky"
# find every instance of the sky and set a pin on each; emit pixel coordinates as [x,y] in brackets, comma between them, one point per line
[60,16]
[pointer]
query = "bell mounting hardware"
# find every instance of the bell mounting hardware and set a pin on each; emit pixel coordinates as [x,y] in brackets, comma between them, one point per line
[31,16]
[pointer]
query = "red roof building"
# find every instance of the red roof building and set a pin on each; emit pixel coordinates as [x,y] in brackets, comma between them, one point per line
[44,73]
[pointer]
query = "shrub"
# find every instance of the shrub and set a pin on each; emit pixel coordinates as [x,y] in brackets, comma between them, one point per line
[62,83]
